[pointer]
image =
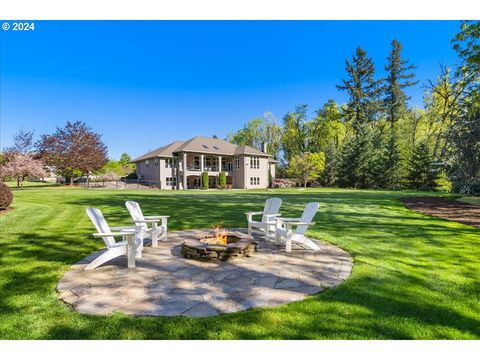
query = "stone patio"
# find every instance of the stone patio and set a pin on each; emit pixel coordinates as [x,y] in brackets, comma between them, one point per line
[166,284]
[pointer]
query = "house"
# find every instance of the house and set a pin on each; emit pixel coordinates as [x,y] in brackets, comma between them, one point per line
[179,165]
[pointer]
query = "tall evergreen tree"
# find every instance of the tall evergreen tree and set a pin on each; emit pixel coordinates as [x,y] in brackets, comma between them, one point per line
[420,174]
[363,89]
[466,152]
[358,166]
[399,77]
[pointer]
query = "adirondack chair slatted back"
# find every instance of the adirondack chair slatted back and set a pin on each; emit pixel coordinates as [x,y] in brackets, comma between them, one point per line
[136,213]
[307,217]
[272,206]
[101,225]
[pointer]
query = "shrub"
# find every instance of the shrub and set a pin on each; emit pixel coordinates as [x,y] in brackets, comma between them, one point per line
[442,183]
[222,180]
[6,196]
[205,180]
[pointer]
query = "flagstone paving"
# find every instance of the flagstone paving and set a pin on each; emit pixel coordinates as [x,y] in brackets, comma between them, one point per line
[163,283]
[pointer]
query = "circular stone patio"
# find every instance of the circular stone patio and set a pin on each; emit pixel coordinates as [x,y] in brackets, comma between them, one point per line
[166,284]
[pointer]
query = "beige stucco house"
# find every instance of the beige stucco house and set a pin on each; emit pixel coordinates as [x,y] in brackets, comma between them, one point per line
[179,165]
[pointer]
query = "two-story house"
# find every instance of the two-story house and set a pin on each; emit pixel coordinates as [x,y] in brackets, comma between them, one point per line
[179,165]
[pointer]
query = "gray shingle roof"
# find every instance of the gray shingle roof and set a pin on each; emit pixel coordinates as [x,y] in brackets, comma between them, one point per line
[201,144]
[164,151]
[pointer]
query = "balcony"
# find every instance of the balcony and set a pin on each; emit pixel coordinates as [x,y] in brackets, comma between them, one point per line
[210,169]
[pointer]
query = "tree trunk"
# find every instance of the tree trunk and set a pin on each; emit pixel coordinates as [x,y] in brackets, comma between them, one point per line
[71,180]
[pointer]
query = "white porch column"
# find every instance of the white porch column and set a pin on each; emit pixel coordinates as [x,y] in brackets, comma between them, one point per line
[184,166]
[219,163]
[202,168]
[177,166]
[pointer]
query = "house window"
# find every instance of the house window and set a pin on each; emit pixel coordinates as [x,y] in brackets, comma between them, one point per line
[170,163]
[254,181]
[155,162]
[171,181]
[237,162]
[196,162]
[146,163]
[254,162]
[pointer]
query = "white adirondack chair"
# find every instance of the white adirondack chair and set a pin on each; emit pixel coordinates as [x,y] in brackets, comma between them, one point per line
[269,213]
[155,232]
[284,229]
[131,240]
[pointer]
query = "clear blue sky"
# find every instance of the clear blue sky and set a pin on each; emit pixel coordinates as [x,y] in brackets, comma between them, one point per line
[144,84]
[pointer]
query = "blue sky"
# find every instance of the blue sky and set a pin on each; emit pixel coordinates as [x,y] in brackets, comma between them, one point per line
[142,84]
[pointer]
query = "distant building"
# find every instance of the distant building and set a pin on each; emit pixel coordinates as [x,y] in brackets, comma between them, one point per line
[179,165]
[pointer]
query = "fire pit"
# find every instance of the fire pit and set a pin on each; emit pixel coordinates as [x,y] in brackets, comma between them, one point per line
[219,246]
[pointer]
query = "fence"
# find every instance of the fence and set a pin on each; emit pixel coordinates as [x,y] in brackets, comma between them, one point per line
[135,184]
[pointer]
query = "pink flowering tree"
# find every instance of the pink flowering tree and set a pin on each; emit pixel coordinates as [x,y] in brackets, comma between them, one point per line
[21,166]
[107,177]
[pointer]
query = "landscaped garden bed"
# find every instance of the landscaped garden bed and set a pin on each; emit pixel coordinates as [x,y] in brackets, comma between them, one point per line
[446,208]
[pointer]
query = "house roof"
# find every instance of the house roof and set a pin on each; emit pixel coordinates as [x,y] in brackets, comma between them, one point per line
[164,151]
[201,144]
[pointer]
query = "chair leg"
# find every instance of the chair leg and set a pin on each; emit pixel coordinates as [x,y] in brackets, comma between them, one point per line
[288,245]
[105,257]
[288,240]
[309,244]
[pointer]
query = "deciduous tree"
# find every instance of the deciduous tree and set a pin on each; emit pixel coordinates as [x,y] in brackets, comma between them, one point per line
[21,166]
[306,166]
[74,148]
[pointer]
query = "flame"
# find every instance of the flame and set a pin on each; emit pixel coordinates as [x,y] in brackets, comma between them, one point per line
[220,235]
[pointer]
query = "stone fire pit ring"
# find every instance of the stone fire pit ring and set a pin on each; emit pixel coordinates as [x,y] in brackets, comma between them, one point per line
[239,245]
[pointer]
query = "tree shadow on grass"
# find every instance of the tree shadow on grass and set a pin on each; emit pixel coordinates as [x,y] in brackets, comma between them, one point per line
[415,276]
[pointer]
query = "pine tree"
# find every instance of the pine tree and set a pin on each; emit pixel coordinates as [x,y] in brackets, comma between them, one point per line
[466,152]
[363,104]
[420,174]
[358,166]
[399,77]
[391,173]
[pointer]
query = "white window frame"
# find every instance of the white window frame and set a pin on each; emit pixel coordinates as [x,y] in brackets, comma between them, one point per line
[146,163]
[254,162]
[171,181]
[237,162]
[155,162]
[254,180]
[170,163]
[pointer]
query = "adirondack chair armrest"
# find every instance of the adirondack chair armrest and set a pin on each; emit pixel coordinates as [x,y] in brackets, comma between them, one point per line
[121,233]
[298,223]
[272,216]
[156,217]
[131,227]
[251,213]
[145,221]
[286,219]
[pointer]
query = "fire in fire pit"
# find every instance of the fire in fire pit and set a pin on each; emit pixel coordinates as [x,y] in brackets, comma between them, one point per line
[219,236]
[219,246]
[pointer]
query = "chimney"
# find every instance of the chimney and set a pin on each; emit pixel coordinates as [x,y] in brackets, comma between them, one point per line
[263,147]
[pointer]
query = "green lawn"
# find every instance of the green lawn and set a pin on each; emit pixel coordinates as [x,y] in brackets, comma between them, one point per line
[414,277]
[473,200]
